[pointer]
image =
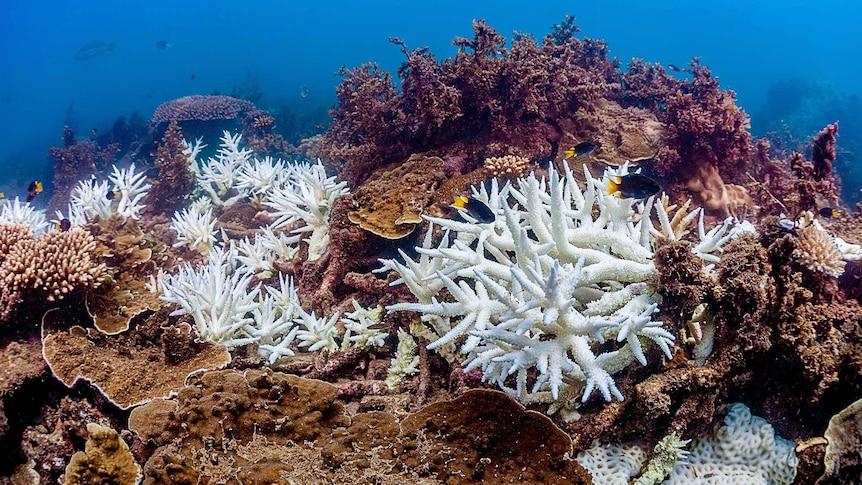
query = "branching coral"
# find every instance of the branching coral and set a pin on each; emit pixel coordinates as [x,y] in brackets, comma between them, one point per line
[548,282]
[14,212]
[49,267]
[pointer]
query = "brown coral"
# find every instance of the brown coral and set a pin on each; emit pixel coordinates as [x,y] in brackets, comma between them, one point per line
[508,167]
[49,267]
[105,460]
[174,182]
[201,108]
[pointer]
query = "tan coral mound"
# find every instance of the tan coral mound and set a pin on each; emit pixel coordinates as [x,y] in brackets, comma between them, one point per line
[508,167]
[105,460]
[54,264]
[817,251]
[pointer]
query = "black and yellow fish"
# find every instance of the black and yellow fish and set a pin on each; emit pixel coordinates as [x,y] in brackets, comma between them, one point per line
[113,194]
[475,208]
[34,189]
[632,186]
[64,225]
[582,148]
[829,212]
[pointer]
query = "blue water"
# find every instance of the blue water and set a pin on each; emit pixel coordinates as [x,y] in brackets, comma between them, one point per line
[283,45]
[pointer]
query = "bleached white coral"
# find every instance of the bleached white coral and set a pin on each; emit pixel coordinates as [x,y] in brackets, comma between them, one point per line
[132,188]
[194,229]
[91,197]
[361,327]
[317,333]
[308,197]
[218,176]
[14,212]
[258,177]
[742,449]
[405,362]
[218,299]
[849,251]
[556,274]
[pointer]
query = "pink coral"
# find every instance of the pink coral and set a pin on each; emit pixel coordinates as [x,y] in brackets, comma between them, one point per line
[201,108]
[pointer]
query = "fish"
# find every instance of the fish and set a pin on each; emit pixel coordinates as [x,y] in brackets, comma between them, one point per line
[163,45]
[582,148]
[2,195]
[192,77]
[829,212]
[671,67]
[113,194]
[64,225]
[94,49]
[303,91]
[474,208]
[34,189]
[632,186]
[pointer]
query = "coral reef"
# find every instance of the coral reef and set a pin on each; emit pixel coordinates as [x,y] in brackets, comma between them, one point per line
[238,317]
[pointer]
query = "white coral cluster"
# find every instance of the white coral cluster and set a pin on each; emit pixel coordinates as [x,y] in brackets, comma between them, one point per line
[14,212]
[557,275]
[818,250]
[297,192]
[123,193]
[228,309]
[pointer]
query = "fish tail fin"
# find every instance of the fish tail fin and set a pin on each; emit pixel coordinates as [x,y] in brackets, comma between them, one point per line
[613,185]
[569,153]
[460,201]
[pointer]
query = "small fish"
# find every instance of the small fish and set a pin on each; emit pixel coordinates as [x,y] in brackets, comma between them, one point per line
[163,45]
[2,195]
[582,148]
[94,49]
[474,208]
[829,212]
[64,225]
[303,91]
[192,77]
[632,186]
[34,189]
[114,194]
[671,67]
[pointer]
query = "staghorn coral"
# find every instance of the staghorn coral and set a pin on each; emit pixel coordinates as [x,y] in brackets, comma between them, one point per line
[548,298]
[48,267]
[174,180]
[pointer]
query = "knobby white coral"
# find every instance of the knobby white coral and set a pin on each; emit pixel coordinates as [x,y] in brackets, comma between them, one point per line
[817,250]
[559,272]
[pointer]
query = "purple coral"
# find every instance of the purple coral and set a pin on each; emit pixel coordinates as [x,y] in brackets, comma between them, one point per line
[201,108]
